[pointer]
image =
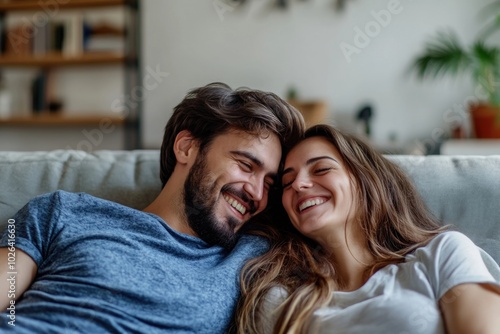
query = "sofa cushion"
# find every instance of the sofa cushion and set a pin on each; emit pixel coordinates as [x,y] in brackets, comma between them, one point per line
[131,178]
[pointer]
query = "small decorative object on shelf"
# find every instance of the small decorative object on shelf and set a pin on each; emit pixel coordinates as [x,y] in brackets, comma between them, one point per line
[339,5]
[314,111]
[365,115]
[5,99]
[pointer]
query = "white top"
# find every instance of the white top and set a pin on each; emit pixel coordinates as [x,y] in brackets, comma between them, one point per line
[400,298]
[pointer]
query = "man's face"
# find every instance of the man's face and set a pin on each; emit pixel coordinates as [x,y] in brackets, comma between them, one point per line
[229,183]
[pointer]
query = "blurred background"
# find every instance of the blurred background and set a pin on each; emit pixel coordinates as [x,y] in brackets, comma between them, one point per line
[348,63]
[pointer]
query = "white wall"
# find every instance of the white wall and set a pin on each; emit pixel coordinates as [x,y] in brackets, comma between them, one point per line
[254,45]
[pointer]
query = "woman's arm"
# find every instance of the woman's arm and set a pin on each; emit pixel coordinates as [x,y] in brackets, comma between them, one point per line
[471,308]
[16,277]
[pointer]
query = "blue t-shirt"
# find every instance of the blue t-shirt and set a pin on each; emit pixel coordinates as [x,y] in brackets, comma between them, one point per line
[107,268]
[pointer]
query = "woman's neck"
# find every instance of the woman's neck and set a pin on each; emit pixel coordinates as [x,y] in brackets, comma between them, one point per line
[352,260]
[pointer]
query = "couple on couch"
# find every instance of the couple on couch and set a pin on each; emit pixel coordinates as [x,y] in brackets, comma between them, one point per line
[345,244]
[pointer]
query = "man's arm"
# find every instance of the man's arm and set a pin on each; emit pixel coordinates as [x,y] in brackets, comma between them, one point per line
[14,280]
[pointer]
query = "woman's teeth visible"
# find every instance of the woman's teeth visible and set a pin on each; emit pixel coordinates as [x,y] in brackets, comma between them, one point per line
[310,203]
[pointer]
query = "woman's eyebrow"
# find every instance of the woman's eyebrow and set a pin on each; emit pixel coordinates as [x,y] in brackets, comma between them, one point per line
[310,161]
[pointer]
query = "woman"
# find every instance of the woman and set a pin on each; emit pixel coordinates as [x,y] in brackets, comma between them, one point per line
[369,257]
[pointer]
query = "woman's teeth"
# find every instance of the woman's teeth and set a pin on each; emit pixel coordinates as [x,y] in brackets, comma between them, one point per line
[310,203]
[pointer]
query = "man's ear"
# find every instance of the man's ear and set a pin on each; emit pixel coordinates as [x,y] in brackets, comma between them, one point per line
[185,147]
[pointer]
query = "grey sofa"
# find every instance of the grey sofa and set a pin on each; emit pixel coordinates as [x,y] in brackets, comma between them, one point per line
[460,190]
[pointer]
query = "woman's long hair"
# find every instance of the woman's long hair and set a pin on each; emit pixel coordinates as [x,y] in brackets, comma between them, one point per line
[392,215]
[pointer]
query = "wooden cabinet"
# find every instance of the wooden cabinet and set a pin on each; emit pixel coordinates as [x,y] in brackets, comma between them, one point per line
[126,58]
[470,147]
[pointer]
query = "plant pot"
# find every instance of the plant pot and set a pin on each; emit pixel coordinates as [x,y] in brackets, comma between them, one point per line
[314,112]
[483,120]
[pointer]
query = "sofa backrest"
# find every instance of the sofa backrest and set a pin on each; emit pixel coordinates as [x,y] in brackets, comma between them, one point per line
[459,190]
[463,191]
[131,178]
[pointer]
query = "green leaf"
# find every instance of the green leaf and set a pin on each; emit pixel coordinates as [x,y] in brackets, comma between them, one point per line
[444,55]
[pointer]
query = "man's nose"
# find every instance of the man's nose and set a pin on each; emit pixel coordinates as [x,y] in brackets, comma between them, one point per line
[255,188]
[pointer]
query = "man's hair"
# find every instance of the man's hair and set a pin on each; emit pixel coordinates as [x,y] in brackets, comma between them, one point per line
[214,109]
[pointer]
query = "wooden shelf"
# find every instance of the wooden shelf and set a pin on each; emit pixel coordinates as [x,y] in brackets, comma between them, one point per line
[58,59]
[61,119]
[35,4]
[128,59]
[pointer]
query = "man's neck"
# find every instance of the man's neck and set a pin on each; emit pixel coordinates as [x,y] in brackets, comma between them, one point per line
[169,205]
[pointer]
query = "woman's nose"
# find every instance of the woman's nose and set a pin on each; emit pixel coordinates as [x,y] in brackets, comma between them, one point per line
[301,182]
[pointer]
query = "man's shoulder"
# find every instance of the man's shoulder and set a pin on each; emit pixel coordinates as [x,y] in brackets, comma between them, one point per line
[63,196]
[65,200]
[253,243]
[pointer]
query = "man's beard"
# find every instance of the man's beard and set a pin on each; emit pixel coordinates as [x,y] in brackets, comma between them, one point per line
[199,205]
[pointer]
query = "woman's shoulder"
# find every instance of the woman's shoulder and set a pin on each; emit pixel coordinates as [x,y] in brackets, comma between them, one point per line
[458,245]
[453,256]
[450,236]
[448,242]
[447,249]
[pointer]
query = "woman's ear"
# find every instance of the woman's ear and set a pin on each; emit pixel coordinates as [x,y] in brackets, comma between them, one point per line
[185,147]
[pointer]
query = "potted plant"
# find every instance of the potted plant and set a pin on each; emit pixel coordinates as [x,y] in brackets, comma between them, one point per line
[446,55]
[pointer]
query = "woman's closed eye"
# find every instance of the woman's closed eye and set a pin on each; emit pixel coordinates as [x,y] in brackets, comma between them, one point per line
[287,183]
[320,171]
[288,180]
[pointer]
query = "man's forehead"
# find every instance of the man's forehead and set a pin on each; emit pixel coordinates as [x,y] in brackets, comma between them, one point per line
[264,147]
[240,137]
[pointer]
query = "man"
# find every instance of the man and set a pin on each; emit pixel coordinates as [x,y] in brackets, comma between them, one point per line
[86,265]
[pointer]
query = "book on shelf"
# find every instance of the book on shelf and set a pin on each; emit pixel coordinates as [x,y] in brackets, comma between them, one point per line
[71,36]
[74,35]
[3,35]
[104,36]
[19,40]
[39,93]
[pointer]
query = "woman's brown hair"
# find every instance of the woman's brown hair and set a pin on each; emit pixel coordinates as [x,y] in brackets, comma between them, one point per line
[392,215]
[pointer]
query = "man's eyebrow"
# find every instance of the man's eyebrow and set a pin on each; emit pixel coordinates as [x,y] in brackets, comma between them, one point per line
[254,159]
[310,161]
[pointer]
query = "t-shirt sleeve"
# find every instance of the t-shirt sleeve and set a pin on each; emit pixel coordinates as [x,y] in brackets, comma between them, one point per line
[269,311]
[34,226]
[453,259]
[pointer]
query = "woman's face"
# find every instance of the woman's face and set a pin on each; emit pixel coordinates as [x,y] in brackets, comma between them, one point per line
[317,192]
